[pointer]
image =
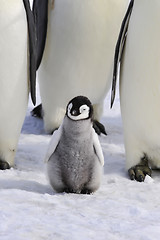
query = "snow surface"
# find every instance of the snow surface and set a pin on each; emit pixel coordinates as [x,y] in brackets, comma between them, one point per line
[120,210]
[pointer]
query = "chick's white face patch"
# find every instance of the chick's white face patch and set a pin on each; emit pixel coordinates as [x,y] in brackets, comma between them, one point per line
[84,112]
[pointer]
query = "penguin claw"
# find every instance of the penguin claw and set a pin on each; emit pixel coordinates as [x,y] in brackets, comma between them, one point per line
[4,165]
[37,111]
[99,127]
[140,171]
[141,178]
[131,174]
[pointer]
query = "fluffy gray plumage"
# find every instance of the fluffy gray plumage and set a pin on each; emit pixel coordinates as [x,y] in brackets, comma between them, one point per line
[75,164]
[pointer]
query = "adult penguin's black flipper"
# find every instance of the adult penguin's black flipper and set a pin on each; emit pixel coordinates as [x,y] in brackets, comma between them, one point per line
[40,11]
[119,48]
[32,49]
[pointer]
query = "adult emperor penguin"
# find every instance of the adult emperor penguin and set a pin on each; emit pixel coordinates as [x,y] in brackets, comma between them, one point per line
[16,21]
[78,55]
[140,86]
[74,158]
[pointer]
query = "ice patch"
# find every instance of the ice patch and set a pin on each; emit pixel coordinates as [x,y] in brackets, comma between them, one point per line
[148,179]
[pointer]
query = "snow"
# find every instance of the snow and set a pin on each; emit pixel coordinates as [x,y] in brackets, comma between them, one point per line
[120,210]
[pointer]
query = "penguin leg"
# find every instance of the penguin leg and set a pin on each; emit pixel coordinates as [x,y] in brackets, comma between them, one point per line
[139,171]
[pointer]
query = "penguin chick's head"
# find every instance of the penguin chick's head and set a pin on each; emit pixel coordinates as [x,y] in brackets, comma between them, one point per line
[79,108]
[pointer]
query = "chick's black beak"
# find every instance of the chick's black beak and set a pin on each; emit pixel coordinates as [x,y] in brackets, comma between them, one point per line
[74,112]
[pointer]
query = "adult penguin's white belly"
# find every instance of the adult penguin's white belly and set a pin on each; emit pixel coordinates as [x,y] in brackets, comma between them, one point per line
[13,75]
[140,84]
[78,54]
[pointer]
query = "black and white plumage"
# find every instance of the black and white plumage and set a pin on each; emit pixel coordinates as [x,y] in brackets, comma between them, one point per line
[140,86]
[80,38]
[74,158]
[18,66]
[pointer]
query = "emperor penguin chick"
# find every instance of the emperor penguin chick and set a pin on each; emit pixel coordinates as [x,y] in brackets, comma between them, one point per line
[74,158]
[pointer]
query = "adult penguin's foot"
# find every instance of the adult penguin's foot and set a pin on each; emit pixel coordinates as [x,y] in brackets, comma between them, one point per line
[99,128]
[4,165]
[139,171]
